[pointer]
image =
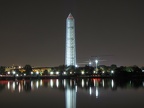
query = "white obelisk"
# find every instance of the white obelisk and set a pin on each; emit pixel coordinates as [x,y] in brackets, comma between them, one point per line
[70,51]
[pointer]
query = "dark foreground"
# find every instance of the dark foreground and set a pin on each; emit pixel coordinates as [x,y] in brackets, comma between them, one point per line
[72,93]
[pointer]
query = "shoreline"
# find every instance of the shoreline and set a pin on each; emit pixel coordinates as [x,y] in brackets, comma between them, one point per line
[64,77]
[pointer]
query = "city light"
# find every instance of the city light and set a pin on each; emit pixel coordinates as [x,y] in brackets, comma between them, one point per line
[90,91]
[20,67]
[82,83]
[82,72]
[51,73]
[8,85]
[97,93]
[90,63]
[51,83]
[57,83]
[14,72]
[64,73]
[37,72]
[103,84]
[76,88]
[112,71]
[112,83]
[41,83]
[37,84]
[64,82]
[57,73]
[96,61]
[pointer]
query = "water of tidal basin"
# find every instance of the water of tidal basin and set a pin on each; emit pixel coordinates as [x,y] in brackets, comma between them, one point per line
[72,93]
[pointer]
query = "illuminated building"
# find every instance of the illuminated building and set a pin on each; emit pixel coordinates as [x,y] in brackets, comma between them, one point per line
[70,51]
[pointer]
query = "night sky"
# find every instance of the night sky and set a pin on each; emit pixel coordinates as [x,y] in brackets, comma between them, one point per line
[33,32]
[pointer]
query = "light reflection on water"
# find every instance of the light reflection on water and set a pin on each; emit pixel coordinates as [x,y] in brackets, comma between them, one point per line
[87,84]
[71,87]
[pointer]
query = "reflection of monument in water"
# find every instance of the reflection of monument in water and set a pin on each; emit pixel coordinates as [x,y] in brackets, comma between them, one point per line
[70,95]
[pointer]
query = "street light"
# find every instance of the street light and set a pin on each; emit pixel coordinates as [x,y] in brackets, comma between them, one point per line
[96,61]
[14,72]
[76,65]
[90,63]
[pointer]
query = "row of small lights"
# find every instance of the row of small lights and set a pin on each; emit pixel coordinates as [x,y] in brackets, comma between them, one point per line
[51,73]
[96,72]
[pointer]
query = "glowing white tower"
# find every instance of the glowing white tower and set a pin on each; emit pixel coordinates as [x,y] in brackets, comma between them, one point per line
[70,53]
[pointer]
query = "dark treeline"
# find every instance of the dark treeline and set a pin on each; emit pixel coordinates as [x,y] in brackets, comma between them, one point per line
[100,71]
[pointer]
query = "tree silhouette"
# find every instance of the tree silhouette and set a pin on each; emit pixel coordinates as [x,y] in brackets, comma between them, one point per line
[45,72]
[2,69]
[28,69]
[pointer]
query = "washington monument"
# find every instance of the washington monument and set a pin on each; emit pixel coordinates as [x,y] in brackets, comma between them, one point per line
[70,51]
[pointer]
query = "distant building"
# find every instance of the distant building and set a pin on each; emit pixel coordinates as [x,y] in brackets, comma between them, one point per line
[34,69]
[70,51]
